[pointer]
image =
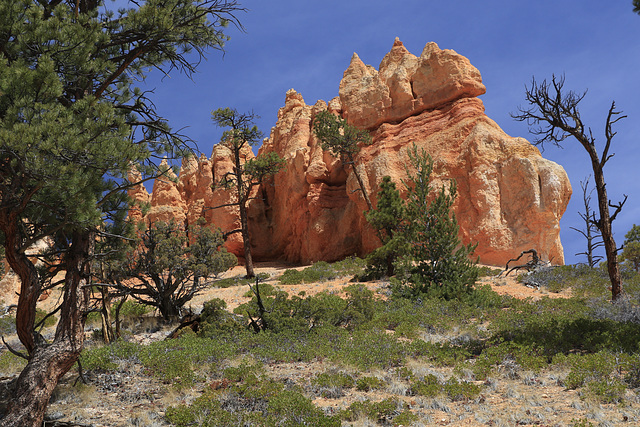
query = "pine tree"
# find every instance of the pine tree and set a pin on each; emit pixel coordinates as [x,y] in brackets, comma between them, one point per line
[436,263]
[72,123]
[631,247]
[246,174]
[344,140]
[387,219]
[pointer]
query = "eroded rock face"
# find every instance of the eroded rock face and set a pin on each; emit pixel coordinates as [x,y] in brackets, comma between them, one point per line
[509,197]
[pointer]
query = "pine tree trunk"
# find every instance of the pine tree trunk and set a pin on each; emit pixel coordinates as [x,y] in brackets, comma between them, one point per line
[248,259]
[49,362]
[360,183]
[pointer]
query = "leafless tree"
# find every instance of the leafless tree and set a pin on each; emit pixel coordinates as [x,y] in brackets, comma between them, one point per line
[554,117]
[590,231]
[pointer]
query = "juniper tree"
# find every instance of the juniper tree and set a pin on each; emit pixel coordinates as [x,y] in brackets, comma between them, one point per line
[554,117]
[343,140]
[171,266]
[247,173]
[71,125]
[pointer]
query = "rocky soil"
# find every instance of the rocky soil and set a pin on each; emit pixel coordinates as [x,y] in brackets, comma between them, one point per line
[130,397]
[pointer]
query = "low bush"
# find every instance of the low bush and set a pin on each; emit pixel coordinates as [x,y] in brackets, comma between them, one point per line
[322,271]
[369,383]
[43,315]
[239,280]
[381,412]
[430,386]
[601,374]
[131,308]
[248,398]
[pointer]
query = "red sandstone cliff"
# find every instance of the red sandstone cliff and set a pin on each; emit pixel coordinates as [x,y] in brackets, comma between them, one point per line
[509,197]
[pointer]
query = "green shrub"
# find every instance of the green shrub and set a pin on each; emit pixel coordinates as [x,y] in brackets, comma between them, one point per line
[240,280]
[370,349]
[599,372]
[405,418]
[107,357]
[512,356]
[460,390]
[440,354]
[10,363]
[337,379]
[429,386]
[322,271]
[215,320]
[49,321]
[177,360]
[369,383]
[250,399]
[7,325]
[304,313]
[377,411]
[484,271]
[582,422]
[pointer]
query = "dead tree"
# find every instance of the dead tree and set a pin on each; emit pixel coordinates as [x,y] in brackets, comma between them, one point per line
[590,232]
[533,263]
[554,117]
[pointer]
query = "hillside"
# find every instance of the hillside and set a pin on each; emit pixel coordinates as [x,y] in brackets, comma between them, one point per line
[430,363]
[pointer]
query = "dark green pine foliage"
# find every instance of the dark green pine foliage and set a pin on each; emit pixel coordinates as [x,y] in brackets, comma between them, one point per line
[342,140]
[436,263]
[72,124]
[246,174]
[631,247]
[387,219]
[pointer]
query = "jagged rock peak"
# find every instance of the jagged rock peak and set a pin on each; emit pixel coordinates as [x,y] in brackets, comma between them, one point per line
[406,85]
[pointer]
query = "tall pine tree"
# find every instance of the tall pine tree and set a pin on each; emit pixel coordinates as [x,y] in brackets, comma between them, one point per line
[71,125]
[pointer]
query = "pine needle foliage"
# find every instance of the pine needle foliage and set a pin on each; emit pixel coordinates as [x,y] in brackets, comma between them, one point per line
[420,237]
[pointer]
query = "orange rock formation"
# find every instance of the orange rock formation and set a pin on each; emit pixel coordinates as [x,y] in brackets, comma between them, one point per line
[509,197]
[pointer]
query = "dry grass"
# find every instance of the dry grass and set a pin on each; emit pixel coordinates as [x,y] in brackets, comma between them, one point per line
[510,396]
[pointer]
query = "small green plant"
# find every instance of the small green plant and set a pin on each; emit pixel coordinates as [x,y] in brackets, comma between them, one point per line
[582,422]
[240,280]
[321,271]
[429,386]
[107,357]
[331,384]
[377,411]
[460,390]
[485,271]
[337,379]
[247,397]
[131,308]
[10,363]
[215,320]
[600,373]
[369,383]
[42,315]
[405,418]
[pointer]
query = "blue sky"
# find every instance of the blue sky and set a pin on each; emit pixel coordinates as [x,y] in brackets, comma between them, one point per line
[307,45]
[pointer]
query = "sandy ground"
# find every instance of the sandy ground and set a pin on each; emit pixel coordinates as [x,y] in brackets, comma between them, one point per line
[234,296]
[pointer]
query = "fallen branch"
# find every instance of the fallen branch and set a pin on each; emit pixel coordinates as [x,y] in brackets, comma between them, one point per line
[532,264]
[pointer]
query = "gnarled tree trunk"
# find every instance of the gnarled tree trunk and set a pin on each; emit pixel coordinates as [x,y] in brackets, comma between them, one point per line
[48,362]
